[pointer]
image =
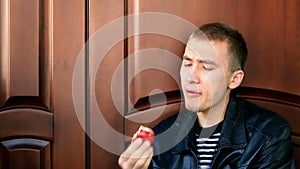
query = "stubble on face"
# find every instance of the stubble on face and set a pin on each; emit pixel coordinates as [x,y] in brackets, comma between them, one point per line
[204,75]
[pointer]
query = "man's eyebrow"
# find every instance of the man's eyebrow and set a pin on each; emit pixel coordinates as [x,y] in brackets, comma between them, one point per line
[200,61]
[210,62]
[186,58]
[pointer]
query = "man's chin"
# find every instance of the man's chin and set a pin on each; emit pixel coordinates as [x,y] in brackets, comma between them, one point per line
[195,108]
[192,108]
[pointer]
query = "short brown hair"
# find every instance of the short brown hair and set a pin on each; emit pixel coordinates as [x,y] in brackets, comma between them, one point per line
[237,48]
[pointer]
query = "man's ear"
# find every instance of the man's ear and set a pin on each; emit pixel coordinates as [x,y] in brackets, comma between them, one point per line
[236,79]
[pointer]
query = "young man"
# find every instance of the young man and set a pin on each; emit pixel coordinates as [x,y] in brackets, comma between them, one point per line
[220,130]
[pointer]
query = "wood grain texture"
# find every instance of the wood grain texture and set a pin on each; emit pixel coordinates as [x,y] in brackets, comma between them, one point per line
[25,154]
[26,116]
[68,39]
[103,14]
[269,27]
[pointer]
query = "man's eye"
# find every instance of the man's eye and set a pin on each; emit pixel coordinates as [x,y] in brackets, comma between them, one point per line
[207,68]
[187,64]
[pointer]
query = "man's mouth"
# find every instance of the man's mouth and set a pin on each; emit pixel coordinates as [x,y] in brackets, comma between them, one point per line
[192,93]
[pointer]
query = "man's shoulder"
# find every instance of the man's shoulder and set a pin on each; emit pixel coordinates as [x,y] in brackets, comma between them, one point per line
[266,121]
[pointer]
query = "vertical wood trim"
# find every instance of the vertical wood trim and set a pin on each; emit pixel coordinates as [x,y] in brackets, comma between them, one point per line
[26,60]
[4,49]
[133,48]
[126,66]
[102,13]
[87,88]
[46,51]
[68,40]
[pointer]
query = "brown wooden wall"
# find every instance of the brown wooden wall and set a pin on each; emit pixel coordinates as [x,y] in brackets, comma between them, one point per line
[41,41]
[26,117]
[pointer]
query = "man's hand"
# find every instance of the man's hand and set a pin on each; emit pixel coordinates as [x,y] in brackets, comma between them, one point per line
[137,156]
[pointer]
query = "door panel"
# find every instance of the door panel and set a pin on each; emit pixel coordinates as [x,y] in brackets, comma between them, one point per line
[37,53]
[23,45]
[26,118]
[25,153]
[68,39]
[269,27]
[19,49]
[18,122]
[107,103]
[272,52]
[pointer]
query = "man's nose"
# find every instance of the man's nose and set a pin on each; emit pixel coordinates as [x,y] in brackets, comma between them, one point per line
[193,76]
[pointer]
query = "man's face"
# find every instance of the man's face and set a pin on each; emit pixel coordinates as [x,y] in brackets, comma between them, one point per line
[204,74]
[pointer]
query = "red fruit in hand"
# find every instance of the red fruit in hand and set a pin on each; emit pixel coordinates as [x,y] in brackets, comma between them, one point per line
[144,133]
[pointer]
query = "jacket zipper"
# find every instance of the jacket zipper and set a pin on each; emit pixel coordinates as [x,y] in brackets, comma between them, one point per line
[212,165]
[196,159]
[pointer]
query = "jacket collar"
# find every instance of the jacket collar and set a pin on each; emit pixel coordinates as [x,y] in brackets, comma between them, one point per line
[186,144]
[233,121]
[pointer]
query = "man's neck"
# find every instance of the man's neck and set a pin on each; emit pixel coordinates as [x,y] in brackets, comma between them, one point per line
[215,114]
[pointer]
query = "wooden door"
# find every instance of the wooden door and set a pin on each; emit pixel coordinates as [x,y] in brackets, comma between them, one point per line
[151,94]
[40,42]
[272,76]
[106,53]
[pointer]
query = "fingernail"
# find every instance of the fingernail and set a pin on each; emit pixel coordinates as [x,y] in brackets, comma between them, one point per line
[147,143]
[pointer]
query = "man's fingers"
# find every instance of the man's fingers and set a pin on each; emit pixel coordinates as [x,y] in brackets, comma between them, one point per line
[136,155]
[124,161]
[141,150]
[145,160]
[132,148]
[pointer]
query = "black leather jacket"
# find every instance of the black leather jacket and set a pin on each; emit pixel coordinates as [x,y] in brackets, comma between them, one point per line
[251,137]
